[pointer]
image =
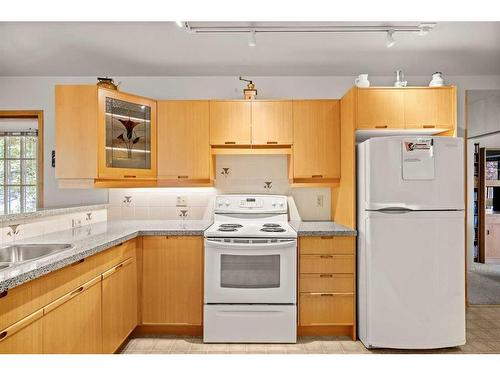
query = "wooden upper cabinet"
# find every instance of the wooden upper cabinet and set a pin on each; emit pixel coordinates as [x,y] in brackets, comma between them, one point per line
[429,107]
[316,139]
[272,122]
[183,140]
[380,108]
[103,134]
[127,136]
[230,122]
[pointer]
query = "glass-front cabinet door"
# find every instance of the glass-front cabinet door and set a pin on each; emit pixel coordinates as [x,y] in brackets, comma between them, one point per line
[127,147]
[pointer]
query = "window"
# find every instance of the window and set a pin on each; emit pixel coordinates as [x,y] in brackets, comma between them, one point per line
[18,172]
[21,159]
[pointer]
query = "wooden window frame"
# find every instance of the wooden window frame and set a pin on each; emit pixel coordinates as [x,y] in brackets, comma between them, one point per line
[38,115]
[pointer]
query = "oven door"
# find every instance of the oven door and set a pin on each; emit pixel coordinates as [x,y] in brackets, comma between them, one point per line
[240,270]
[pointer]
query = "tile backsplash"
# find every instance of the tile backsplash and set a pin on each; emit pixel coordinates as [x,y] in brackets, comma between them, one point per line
[13,231]
[260,174]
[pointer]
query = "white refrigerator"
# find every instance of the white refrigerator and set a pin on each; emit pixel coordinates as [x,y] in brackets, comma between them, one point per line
[411,239]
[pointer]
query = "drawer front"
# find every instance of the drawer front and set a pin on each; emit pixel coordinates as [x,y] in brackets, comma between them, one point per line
[326,283]
[327,245]
[326,264]
[326,309]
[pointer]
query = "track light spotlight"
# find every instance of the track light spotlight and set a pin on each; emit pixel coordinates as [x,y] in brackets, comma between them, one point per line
[390,39]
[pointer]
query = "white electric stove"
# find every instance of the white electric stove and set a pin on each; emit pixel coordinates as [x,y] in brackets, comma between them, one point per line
[250,271]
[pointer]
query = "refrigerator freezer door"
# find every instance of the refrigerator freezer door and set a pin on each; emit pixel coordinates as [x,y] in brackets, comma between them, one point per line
[435,183]
[413,292]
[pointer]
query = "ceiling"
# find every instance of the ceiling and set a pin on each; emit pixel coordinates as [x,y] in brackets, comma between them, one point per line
[164,49]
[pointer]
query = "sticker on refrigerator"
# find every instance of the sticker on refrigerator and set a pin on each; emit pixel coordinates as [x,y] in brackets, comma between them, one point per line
[418,159]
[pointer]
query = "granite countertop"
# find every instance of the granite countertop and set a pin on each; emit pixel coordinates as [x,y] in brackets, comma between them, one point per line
[321,228]
[92,239]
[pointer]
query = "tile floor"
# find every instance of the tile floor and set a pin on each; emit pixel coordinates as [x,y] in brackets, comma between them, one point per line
[483,336]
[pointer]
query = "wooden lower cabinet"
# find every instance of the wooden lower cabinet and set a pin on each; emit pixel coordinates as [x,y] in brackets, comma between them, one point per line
[23,337]
[172,290]
[72,323]
[327,286]
[326,309]
[119,304]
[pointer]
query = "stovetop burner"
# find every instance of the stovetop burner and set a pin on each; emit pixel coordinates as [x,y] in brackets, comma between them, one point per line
[227,229]
[273,229]
[271,225]
[230,226]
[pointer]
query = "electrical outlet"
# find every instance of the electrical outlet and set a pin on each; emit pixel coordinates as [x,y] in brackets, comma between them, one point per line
[320,200]
[181,201]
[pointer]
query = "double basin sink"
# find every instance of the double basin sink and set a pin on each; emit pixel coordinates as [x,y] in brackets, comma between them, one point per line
[17,254]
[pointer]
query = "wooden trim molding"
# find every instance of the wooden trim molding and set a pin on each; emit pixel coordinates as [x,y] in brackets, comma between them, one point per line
[38,114]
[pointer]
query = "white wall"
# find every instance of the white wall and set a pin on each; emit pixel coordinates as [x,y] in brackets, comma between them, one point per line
[38,93]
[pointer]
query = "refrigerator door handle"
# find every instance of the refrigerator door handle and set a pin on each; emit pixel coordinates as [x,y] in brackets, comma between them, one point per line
[395,210]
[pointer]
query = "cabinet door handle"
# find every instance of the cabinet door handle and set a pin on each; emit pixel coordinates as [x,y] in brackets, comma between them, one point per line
[77,291]
[4,293]
[488,232]
[272,142]
[229,143]
[182,177]
[324,275]
[78,262]
[129,176]
[429,126]
[317,176]
[380,126]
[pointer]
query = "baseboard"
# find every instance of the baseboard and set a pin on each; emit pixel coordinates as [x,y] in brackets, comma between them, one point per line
[326,331]
[168,329]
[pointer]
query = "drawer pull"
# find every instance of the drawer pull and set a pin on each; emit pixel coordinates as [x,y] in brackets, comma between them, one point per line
[229,143]
[118,266]
[4,293]
[429,126]
[182,177]
[317,176]
[326,294]
[78,262]
[381,127]
[326,237]
[129,176]
[77,291]
[272,142]
[324,275]
[326,256]
[3,335]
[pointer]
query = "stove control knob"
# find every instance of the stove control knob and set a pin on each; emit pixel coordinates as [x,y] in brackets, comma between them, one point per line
[282,205]
[219,203]
[274,204]
[227,203]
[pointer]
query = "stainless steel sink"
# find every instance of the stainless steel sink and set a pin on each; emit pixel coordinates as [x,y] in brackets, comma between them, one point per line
[22,253]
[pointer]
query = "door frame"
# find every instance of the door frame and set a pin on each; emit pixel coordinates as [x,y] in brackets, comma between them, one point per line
[34,114]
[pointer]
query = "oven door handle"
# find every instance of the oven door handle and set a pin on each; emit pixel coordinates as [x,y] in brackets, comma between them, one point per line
[264,246]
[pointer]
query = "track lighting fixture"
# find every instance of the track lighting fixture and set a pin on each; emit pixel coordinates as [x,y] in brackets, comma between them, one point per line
[390,39]
[252,42]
